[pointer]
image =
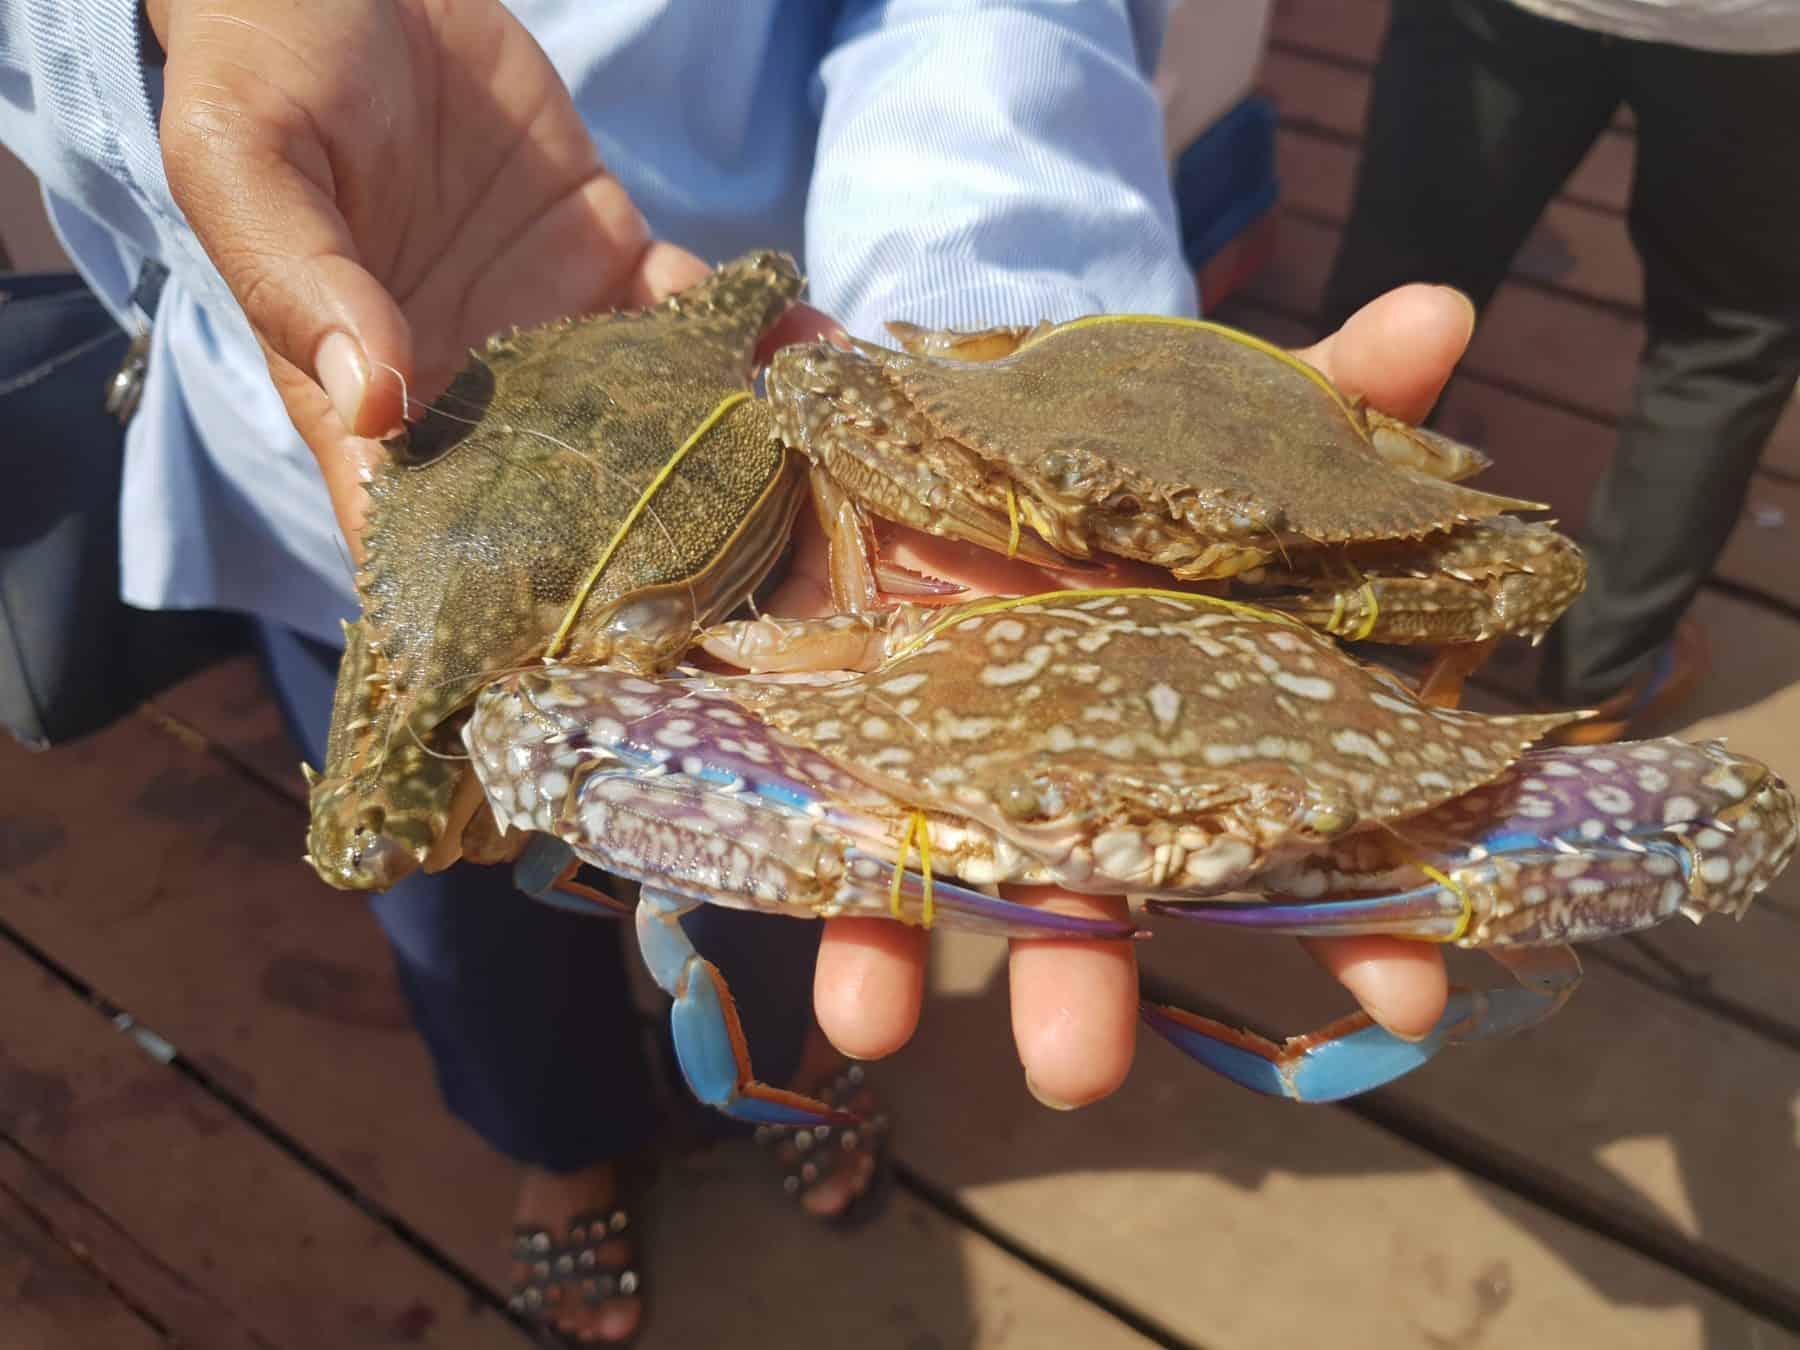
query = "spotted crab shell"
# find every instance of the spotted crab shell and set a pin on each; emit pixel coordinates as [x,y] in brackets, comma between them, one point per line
[1155,737]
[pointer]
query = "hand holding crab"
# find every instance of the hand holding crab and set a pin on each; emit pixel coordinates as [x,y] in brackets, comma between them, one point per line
[1075,1001]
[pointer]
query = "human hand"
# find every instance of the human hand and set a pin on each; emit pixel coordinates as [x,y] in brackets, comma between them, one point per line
[1074,1003]
[383,184]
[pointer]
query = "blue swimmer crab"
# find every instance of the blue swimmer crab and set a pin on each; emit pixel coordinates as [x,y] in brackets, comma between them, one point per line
[1170,747]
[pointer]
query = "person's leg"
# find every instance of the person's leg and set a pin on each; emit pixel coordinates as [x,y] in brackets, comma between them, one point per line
[1715,214]
[527,1016]
[500,985]
[1478,111]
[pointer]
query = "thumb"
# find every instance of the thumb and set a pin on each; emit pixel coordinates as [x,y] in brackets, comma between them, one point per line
[1400,349]
[251,188]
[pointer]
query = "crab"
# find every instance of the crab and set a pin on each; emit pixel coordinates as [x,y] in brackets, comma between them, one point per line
[1180,443]
[1155,744]
[592,490]
[598,489]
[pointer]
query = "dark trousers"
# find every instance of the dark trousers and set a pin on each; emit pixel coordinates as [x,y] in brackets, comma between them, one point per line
[525,1008]
[1479,111]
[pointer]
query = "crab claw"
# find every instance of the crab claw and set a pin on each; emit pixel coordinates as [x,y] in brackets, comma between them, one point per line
[1354,1055]
[709,1040]
[546,871]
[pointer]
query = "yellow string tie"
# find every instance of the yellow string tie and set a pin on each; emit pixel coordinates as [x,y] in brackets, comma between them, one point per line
[919,830]
[927,905]
[906,837]
[638,507]
[1460,892]
[1337,615]
[1012,521]
[1371,607]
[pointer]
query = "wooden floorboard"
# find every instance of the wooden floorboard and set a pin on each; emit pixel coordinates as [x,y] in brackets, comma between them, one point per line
[282,1254]
[1244,1223]
[185,1311]
[52,1299]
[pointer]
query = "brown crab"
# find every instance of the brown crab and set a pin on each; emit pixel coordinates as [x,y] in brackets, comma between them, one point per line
[1180,443]
[594,490]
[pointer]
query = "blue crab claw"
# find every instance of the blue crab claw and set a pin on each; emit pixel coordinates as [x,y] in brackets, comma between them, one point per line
[1354,1055]
[709,1040]
[546,871]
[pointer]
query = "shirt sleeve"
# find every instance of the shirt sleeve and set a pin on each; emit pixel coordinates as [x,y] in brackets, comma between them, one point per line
[988,163]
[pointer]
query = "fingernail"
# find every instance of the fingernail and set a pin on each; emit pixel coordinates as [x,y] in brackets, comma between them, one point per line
[1048,1101]
[1467,303]
[343,372]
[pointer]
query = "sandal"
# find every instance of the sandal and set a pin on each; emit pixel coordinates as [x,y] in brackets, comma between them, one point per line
[573,1268]
[811,1154]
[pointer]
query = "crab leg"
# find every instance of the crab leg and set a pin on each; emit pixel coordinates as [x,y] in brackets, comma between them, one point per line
[546,871]
[709,1041]
[1575,844]
[1354,1055]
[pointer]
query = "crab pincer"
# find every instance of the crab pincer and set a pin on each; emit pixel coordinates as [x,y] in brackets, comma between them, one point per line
[1569,845]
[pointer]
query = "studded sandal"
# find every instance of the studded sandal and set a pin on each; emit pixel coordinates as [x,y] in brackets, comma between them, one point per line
[573,1269]
[811,1154]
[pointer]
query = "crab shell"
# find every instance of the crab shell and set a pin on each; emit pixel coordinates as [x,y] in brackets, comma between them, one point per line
[1155,744]
[595,489]
[1182,443]
[1137,740]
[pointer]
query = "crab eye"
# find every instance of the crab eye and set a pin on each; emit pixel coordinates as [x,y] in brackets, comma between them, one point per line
[1329,819]
[1019,801]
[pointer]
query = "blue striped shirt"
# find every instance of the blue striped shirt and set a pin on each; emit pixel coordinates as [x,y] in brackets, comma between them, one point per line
[950,163]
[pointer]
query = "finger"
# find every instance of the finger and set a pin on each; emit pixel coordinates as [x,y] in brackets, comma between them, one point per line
[1399,349]
[868,985]
[256,188]
[662,270]
[1400,984]
[801,323]
[1074,1005]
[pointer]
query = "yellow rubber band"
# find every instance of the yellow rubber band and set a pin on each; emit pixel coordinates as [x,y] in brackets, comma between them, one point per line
[638,507]
[1461,893]
[1372,606]
[918,830]
[981,610]
[927,906]
[1012,521]
[906,837]
[1337,614]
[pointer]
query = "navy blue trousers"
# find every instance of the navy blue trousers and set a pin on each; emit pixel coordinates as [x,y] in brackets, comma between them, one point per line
[525,1007]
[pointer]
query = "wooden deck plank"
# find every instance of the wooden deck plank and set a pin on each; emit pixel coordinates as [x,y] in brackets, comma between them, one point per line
[282,990]
[186,1312]
[1349,30]
[201,920]
[1243,1223]
[1621,1097]
[52,1300]
[288,1257]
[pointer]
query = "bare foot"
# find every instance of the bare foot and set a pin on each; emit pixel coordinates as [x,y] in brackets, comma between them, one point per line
[590,1295]
[829,1168]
